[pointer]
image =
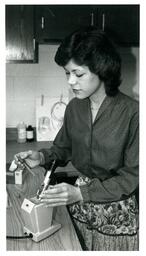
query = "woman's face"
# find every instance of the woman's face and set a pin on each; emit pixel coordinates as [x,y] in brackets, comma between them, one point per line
[83,82]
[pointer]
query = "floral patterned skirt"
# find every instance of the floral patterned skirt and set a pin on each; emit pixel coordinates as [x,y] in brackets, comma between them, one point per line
[114,218]
[92,240]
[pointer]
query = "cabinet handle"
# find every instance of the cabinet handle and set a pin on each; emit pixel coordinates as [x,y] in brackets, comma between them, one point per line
[92,19]
[103,21]
[43,22]
[34,44]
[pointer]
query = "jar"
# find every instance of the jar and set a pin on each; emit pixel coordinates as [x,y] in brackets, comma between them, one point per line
[29,133]
[21,130]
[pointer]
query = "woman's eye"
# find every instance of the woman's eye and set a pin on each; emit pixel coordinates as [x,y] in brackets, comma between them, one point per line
[79,75]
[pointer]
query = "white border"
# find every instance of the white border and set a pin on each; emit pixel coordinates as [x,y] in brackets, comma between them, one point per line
[142,128]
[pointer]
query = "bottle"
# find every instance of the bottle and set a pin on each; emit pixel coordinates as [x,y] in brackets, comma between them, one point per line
[21,130]
[29,133]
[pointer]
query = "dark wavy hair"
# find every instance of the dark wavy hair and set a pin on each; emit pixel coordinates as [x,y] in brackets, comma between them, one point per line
[92,47]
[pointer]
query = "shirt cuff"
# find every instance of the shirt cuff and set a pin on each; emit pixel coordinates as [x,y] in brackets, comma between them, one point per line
[84,192]
[42,159]
[47,159]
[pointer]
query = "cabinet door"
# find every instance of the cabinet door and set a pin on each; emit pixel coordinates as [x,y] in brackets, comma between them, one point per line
[20,42]
[54,22]
[121,22]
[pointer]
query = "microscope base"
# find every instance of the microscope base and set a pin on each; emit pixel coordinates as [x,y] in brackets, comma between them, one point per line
[45,233]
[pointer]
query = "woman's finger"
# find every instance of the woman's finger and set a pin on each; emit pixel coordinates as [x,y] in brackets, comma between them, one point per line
[53,200]
[56,204]
[54,190]
[54,196]
[21,155]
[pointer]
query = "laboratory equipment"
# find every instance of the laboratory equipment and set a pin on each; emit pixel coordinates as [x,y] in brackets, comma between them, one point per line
[38,217]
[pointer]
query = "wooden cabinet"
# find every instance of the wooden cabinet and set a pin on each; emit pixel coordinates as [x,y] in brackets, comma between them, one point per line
[54,22]
[20,39]
[28,25]
[121,22]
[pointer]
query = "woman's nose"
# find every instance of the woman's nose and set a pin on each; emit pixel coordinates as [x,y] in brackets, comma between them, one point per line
[72,79]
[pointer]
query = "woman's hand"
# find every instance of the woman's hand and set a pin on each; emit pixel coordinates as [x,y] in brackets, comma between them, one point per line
[32,158]
[61,194]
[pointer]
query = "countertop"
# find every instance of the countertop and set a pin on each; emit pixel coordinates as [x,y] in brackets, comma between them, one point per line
[64,239]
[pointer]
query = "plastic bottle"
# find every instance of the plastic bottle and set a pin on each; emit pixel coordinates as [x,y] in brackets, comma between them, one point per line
[29,133]
[21,129]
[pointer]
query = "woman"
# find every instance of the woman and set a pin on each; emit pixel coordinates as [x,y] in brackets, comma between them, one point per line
[100,137]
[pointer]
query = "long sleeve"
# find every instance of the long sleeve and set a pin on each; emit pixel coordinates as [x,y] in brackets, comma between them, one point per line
[125,181]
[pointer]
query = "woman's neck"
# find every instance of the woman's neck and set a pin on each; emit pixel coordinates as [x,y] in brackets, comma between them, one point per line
[98,97]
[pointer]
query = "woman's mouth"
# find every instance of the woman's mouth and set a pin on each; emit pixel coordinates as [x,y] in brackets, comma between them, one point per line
[76,91]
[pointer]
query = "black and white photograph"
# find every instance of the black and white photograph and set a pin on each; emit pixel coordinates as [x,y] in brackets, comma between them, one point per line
[72,100]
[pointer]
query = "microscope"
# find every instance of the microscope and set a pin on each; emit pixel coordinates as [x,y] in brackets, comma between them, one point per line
[38,217]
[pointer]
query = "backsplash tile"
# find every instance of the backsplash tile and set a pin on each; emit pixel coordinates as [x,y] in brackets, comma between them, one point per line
[18,70]
[20,110]
[10,88]
[25,88]
[52,86]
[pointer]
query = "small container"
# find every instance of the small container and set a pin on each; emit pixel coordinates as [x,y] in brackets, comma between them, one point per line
[29,133]
[21,130]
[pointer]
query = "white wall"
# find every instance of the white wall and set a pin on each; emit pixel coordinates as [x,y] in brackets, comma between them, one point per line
[25,82]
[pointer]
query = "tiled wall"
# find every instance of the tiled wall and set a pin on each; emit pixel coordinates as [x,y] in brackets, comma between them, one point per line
[25,82]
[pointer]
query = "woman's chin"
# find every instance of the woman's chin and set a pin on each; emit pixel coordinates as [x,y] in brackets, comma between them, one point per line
[81,97]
